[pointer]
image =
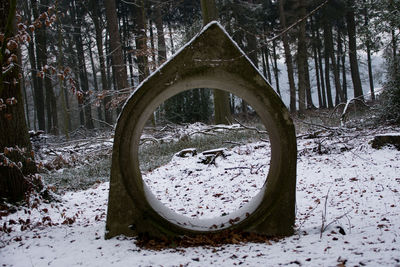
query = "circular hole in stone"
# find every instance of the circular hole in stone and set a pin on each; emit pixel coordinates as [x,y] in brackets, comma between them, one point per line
[200,170]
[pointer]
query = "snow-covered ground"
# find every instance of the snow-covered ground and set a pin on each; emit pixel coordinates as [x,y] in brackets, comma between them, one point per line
[348,211]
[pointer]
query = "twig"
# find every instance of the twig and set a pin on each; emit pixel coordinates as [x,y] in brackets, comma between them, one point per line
[250,128]
[323,228]
[320,126]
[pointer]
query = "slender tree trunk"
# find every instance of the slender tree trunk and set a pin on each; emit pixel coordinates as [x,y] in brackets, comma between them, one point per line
[302,58]
[339,95]
[161,51]
[316,64]
[369,60]
[76,13]
[153,49]
[264,65]
[341,60]
[96,86]
[51,105]
[141,45]
[276,70]
[267,60]
[100,51]
[321,71]
[327,53]
[32,62]
[288,58]
[24,93]
[141,41]
[221,98]
[64,96]
[39,95]
[351,31]
[118,66]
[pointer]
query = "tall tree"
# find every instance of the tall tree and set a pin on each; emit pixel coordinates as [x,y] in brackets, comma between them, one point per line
[161,49]
[36,67]
[77,12]
[351,31]
[288,57]
[141,40]
[96,17]
[15,144]
[221,98]
[118,65]
[368,44]
[302,57]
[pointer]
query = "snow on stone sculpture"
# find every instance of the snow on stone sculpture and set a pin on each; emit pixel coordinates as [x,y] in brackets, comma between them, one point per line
[210,60]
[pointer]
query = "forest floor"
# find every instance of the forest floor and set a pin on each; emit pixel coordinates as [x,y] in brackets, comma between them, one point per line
[347,198]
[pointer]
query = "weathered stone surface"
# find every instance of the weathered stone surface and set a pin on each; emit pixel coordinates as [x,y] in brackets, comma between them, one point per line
[210,60]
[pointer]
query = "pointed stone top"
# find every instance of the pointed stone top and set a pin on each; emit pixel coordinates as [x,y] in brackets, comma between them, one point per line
[212,47]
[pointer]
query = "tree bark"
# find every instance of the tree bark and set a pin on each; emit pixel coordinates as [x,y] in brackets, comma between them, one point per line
[288,58]
[118,65]
[276,70]
[14,132]
[222,114]
[63,91]
[141,41]
[327,66]
[95,84]
[39,95]
[302,58]
[161,51]
[341,61]
[335,67]
[316,63]
[351,31]
[369,60]
[321,71]
[100,50]
[77,15]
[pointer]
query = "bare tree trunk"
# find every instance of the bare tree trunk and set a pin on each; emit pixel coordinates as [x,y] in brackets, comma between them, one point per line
[315,53]
[96,86]
[141,41]
[302,58]
[64,96]
[369,61]
[351,30]
[335,67]
[276,70]
[100,51]
[327,66]
[161,51]
[341,60]
[14,132]
[288,58]
[152,46]
[221,98]
[39,95]
[321,71]
[76,13]
[32,62]
[118,65]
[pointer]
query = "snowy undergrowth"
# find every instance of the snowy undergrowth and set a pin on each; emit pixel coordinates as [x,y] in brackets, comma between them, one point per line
[196,189]
[347,213]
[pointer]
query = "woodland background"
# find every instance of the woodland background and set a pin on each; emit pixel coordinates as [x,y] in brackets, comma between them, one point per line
[85,57]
